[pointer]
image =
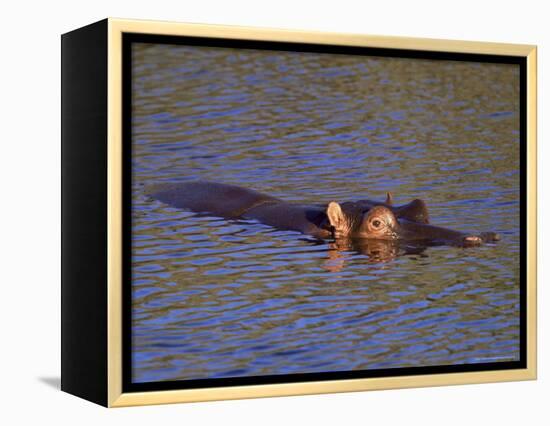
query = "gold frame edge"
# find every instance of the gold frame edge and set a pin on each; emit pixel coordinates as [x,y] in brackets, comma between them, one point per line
[532,211]
[114,213]
[116,27]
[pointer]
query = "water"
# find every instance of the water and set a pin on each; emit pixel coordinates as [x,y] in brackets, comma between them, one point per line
[216,298]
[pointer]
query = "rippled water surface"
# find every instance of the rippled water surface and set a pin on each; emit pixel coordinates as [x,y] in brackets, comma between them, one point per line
[216,298]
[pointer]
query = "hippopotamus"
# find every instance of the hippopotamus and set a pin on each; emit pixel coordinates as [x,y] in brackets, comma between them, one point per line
[361,219]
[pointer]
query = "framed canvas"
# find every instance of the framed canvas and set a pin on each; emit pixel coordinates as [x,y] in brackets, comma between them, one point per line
[254,212]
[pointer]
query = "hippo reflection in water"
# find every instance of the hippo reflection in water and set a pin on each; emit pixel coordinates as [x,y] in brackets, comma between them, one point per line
[361,220]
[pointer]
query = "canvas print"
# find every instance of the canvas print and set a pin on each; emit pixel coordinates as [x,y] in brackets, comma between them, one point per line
[305,212]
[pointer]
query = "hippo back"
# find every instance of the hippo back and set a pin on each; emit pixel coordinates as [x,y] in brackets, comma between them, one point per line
[219,199]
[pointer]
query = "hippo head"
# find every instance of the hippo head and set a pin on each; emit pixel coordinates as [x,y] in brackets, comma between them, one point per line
[352,220]
[415,211]
[349,220]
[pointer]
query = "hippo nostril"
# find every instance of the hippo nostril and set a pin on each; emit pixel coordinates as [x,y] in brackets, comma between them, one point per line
[472,240]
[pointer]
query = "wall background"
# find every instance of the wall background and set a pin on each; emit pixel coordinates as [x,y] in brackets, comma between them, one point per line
[30,209]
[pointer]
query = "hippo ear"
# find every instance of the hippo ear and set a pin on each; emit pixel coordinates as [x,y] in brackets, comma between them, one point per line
[389,198]
[335,215]
[415,211]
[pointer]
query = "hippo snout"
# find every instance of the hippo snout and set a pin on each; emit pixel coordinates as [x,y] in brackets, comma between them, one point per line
[476,240]
[472,240]
[489,237]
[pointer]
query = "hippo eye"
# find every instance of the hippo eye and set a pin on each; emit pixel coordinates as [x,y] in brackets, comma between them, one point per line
[376,223]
